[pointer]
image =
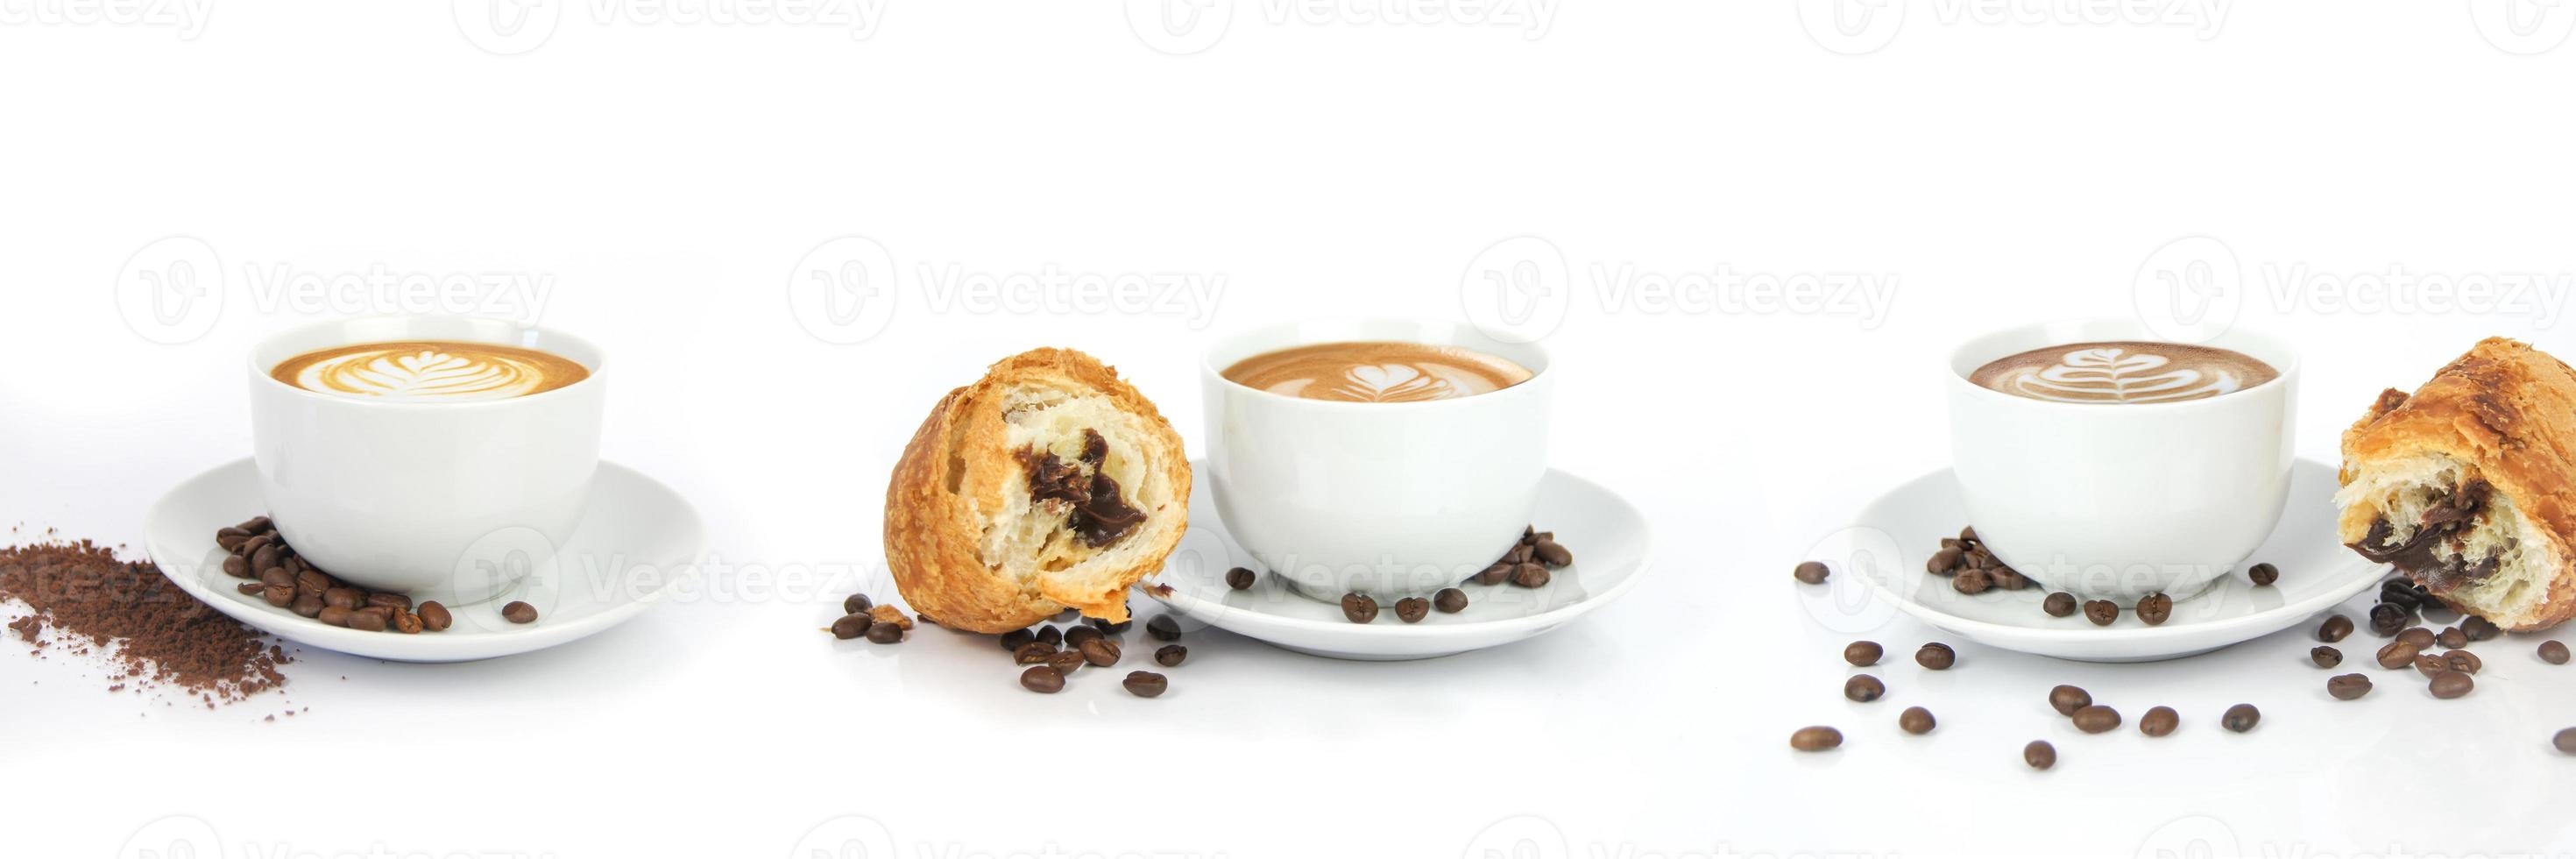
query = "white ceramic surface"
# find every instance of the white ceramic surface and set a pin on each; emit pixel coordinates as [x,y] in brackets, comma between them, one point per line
[458,497]
[1908,523]
[637,537]
[1608,537]
[2119,501]
[1387,498]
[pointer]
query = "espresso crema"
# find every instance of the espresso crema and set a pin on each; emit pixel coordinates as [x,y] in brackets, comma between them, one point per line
[429,371]
[2124,372]
[1377,372]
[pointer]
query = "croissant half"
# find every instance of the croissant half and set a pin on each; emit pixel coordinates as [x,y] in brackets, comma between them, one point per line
[2465,485]
[1048,484]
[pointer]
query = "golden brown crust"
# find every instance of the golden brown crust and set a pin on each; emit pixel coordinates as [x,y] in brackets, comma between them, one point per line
[956,468]
[2506,411]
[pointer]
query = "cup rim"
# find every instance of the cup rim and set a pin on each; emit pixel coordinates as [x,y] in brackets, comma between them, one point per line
[1209,369]
[598,366]
[2288,370]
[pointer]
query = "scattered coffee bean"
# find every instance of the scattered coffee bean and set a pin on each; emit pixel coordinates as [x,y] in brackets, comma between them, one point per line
[407,623]
[2153,609]
[1449,600]
[1050,634]
[1065,662]
[1971,581]
[1812,572]
[1551,554]
[2095,718]
[1163,628]
[1103,652]
[2480,629]
[1042,679]
[1359,609]
[312,582]
[279,596]
[2059,604]
[2428,664]
[855,603]
[1862,653]
[1863,688]
[1074,637]
[1496,574]
[519,612]
[2068,699]
[2240,718]
[2418,637]
[2464,662]
[1944,562]
[2347,687]
[1146,684]
[393,601]
[2553,652]
[2101,612]
[1936,656]
[1033,653]
[2039,755]
[2386,619]
[1815,739]
[250,588]
[2159,721]
[879,633]
[2325,657]
[1239,578]
[2452,638]
[435,617]
[1170,655]
[1915,720]
[334,616]
[2397,654]
[851,626]
[2334,629]
[1530,575]
[2452,684]
[2565,741]
[2264,574]
[1412,609]
[1018,638]
[366,621]
[341,598]
[310,605]
[278,577]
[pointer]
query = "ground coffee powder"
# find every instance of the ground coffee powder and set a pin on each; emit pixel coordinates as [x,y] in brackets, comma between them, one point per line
[84,601]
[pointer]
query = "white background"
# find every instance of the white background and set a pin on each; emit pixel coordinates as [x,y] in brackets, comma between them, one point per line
[668,179]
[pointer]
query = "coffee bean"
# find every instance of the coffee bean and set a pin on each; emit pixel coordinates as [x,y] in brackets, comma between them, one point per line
[1449,600]
[250,588]
[1518,555]
[1146,684]
[2565,741]
[2159,721]
[407,623]
[1065,662]
[2428,664]
[1915,720]
[393,601]
[1239,578]
[1551,554]
[1119,628]
[1170,655]
[2347,687]
[851,626]
[334,615]
[2386,619]
[278,577]
[2480,629]
[1530,575]
[2059,604]
[1018,638]
[2240,718]
[2418,637]
[2397,654]
[1944,562]
[279,596]
[307,605]
[1412,609]
[1103,652]
[2095,718]
[2008,578]
[520,612]
[1496,574]
[2325,657]
[2101,612]
[2452,684]
[855,603]
[230,538]
[1033,653]
[2463,661]
[2264,574]
[1812,572]
[2451,637]
[2553,652]
[1042,679]
[434,617]
[1359,609]
[366,621]
[236,567]
[1815,739]
[2153,609]
[2334,629]
[313,582]
[2068,699]
[2039,755]
[879,633]
[1050,634]
[1971,581]
[1163,628]
[1862,653]
[1863,688]
[341,598]
[267,558]
[1936,656]
[1075,636]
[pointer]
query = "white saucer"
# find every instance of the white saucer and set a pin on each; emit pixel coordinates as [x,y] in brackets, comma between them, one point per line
[1907,524]
[636,537]
[1607,536]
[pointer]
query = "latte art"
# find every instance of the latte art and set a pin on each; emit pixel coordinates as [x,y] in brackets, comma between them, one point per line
[429,371]
[1377,372]
[2124,373]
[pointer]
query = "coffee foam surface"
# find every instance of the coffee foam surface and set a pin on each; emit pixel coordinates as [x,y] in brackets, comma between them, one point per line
[1377,372]
[2124,372]
[429,371]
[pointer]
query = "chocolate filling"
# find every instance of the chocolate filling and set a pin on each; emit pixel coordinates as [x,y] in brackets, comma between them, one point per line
[1100,513]
[2417,554]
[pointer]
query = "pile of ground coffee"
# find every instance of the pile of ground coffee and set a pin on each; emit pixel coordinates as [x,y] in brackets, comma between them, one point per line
[86,601]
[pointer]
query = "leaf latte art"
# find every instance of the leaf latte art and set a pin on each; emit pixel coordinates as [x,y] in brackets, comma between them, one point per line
[429,371]
[2124,373]
[1377,372]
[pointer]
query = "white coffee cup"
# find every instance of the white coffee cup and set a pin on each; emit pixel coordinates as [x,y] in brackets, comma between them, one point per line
[1385,499]
[2120,501]
[452,500]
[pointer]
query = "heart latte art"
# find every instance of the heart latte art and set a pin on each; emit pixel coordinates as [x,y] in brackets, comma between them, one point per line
[2124,373]
[429,371]
[1377,372]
